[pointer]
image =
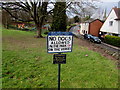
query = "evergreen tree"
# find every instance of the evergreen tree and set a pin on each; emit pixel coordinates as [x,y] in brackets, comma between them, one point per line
[76,19]
[59,17]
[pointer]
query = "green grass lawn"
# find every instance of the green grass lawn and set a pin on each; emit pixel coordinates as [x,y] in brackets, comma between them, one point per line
[26,64]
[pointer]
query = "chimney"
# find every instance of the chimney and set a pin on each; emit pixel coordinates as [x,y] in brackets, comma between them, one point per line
[119,4]
[115,7]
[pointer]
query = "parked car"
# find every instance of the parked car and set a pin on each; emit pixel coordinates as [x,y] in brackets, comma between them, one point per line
[87,36]
[95,39]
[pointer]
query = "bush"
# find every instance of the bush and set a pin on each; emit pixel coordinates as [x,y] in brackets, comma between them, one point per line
[12,27]
[25,29]
[113,40]
[46,33]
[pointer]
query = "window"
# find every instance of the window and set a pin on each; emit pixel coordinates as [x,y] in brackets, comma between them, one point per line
[110,23]
[83,31]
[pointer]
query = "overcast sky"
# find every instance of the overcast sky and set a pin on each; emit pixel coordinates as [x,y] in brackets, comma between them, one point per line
[110,0]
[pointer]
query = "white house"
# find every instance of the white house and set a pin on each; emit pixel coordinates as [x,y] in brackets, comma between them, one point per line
[112,24]
[0,17]
[84,27]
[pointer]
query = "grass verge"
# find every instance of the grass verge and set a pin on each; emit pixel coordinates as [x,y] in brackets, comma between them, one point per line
[26,64]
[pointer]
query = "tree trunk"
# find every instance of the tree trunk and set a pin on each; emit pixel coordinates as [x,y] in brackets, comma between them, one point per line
[39,31]
[39,28]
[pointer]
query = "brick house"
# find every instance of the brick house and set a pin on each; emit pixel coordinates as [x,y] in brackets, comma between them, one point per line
[94,27]
[91,27]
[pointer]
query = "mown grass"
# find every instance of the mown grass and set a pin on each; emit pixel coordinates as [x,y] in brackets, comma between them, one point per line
[26,64]
[0,56]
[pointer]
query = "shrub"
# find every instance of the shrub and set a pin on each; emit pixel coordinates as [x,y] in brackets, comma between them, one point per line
[12,27]
[113,40]
[46,32]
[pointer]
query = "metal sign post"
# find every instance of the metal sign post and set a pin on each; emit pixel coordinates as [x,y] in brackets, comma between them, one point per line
[59,67]
[59,42]
[59,59]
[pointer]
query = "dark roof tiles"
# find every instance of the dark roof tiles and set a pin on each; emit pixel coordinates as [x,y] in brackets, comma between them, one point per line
[117,12]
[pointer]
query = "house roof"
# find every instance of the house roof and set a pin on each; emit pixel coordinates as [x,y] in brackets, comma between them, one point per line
[98,20]
[117,12]
[87,21]
[92,20]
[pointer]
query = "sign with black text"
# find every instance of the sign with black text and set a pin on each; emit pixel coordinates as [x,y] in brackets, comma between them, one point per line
[59,59]
[58,42]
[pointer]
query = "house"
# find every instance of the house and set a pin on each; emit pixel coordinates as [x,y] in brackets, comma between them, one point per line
[112,23]
[1,17]
[84,27]
[94,27]
[91,27]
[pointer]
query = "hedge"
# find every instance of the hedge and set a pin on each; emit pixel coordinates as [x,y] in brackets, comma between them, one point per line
[112,40]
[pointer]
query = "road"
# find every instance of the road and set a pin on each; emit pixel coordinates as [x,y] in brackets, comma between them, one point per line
[75,29]
[108,48]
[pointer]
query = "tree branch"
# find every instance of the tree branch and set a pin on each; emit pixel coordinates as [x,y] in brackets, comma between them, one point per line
[15,16]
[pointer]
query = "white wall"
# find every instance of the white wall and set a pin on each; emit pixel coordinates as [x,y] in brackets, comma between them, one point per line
[111,29]
[119,26]
[0,17]
[84,26]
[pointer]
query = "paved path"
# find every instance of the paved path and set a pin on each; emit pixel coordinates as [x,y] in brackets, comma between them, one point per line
[75,29]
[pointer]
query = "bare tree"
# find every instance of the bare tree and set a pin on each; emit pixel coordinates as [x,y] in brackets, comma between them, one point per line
[6,19]
[82,8]
[35,10]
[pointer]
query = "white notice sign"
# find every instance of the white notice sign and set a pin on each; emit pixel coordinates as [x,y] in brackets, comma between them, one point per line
[59,43]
